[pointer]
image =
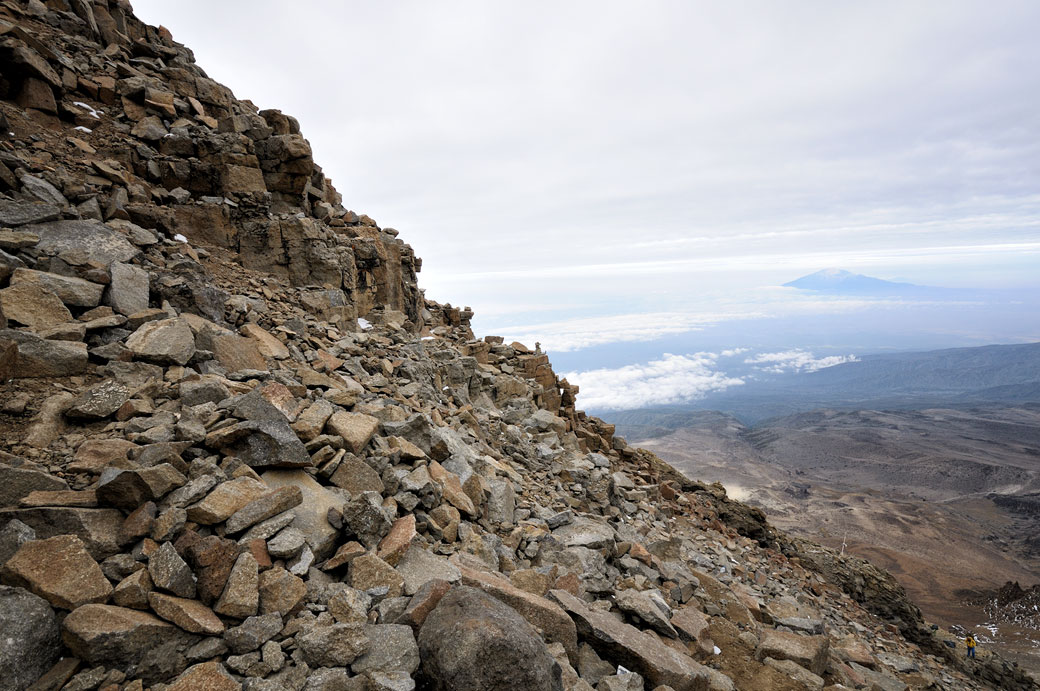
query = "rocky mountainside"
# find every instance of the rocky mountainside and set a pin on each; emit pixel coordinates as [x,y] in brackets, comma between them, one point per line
[241,450]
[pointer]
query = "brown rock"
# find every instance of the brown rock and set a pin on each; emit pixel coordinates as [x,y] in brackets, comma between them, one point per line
[357,429]
[212,558]
[626,645]
[369,571]
[225,499]
[190,615]
[270,504]
[423,602]
[543,614]
[356,476]
[452,488]
[241,596]
[394,545]
[60,570]
[8,354]
[71,291]
[33,305]
[267,344]
[280,591]
[344,555]
[94,455]
[133,590]
[236,353]
[206,676]
[808,651]
[103,634]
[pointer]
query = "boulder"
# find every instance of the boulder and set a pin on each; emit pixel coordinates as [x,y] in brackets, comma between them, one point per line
[97,528]
[626,645]
[128,489]
[128,292]
[31,639]
[312,514]
[543,614]
[16,483]
[332,646]
[391,648]
[190,615]
[38,357]
[60,570]
[170,572]
[241,595]
[164,342]
[104,634]
[363,516]
[33,305]
[356,476]
[473,642]
[95,240]
[14,213]
[418,566]
[357,429]
[225,499]
[262,443]
[808,651]
[280,591]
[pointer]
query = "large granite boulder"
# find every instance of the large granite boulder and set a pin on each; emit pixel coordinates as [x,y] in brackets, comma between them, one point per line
[473,642]
[30,642]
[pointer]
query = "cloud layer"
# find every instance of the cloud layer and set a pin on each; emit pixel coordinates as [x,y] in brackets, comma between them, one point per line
[795,361]
[671,379]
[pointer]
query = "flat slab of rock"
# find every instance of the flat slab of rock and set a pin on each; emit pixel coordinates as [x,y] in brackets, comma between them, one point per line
[99,401]
[190,615]
[19,213]
[97,528]
[333,646]
[96,240]
[33,305]
[626,645]
[128,292]
[71,291]
[206,676]
[60,570]
[270,504]
[312,513]
[225,499]
[808,651]
[16,483]
[38,357]
[584,532]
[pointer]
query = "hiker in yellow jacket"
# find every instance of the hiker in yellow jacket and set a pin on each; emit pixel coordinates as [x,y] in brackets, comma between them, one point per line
[970,642]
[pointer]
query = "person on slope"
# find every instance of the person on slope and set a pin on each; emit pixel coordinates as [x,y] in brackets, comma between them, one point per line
[970,643]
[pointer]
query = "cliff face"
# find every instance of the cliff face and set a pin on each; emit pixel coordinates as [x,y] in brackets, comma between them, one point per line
[212,477]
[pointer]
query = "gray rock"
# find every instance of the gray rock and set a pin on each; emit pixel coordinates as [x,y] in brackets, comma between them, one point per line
[473,642]
[12,537]
[38,357]
[654,613]
[44,191]
[128,489]
[99,242]
[31,639]
[391,648]
[16,483]
[99,401]
[20,213]
[199,391]
[128,292]
[364,517]
[165,342]
[585,532]
[98,528]
[170,572]
[419,565]
[286,544]
[637,651]
[271,504]
[266,444]
[253,633]
[333,646]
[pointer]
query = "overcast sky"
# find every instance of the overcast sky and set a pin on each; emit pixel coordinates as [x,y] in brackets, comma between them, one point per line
[560,162]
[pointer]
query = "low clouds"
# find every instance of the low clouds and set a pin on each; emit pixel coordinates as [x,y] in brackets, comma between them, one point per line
[795,361]
[671,379]
[676,379]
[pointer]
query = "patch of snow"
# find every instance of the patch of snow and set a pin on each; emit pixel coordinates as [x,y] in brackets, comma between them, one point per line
[80,128]
[180,238]
[427,338]
[717,650]
[90,111]
[364,323]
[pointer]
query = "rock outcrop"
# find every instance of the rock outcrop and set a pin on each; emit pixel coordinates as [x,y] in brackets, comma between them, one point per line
[239,449]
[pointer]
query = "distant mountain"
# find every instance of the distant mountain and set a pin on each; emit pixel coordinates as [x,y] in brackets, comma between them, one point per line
[847,283]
